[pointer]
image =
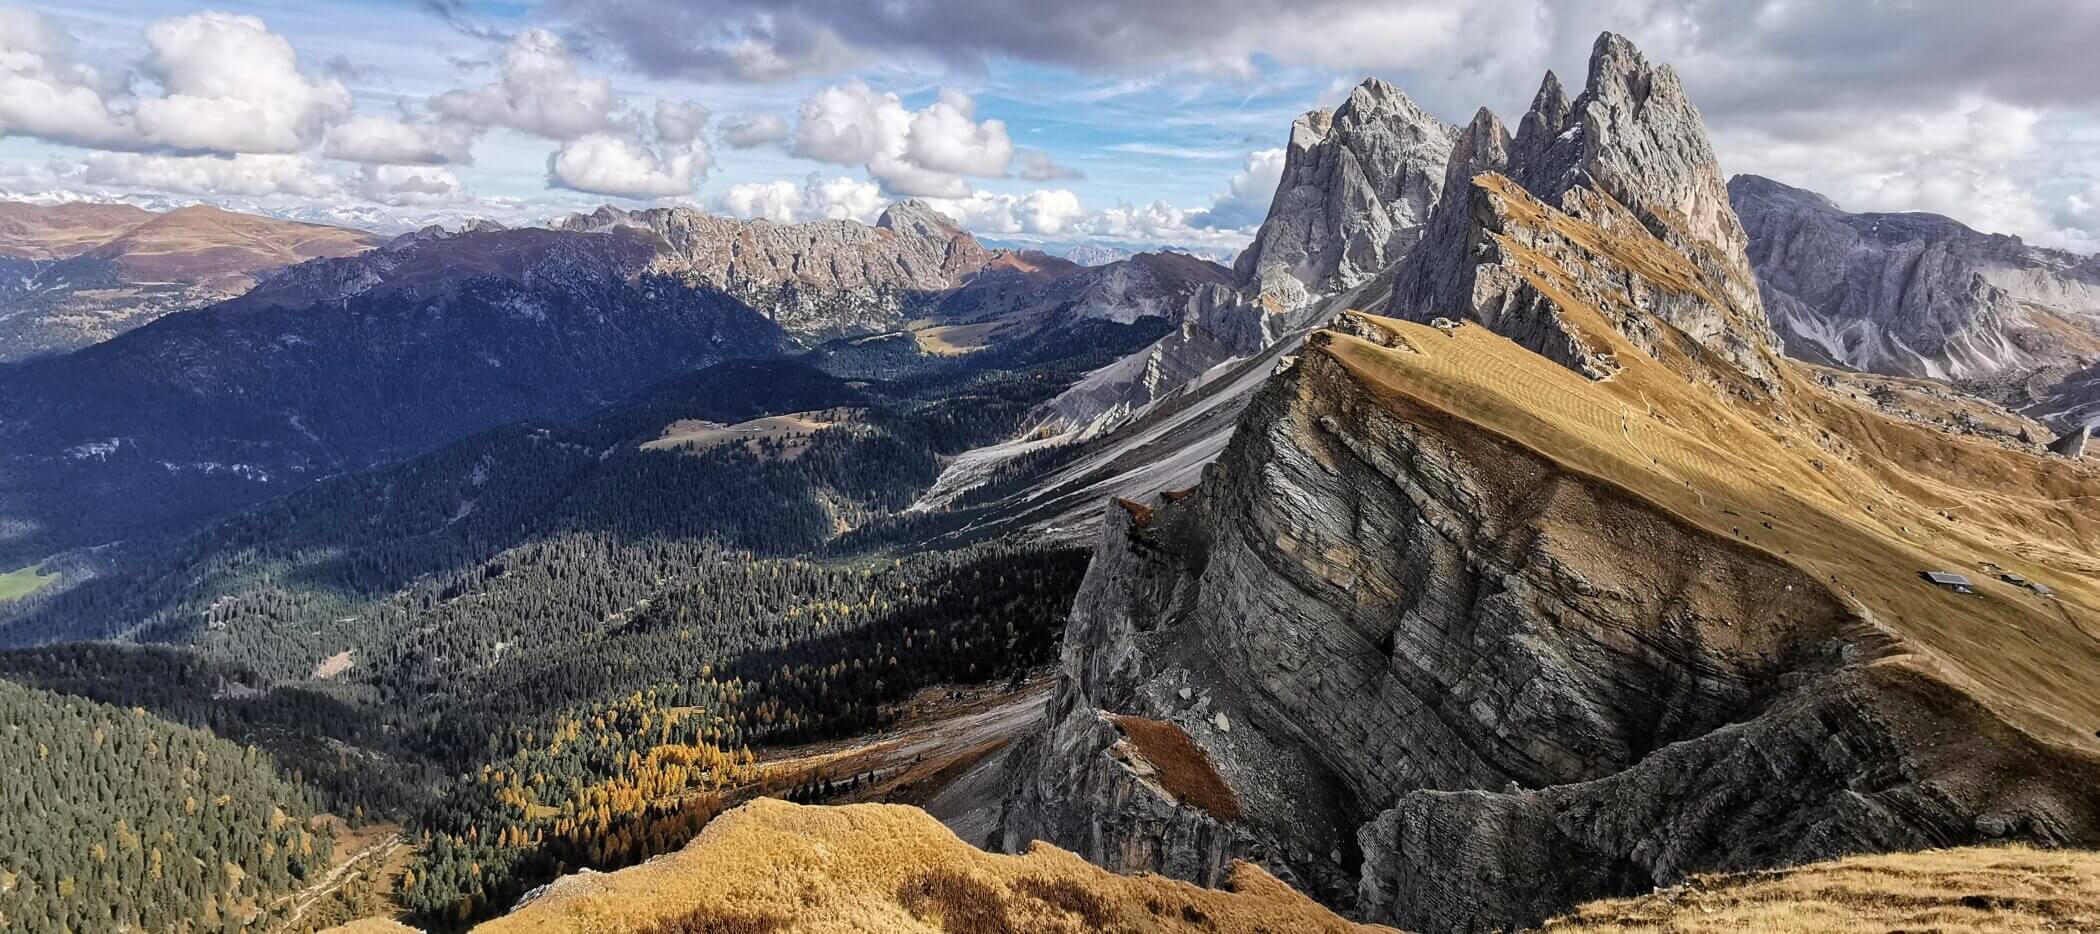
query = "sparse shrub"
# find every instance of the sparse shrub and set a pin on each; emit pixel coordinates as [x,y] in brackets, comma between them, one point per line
[964,905]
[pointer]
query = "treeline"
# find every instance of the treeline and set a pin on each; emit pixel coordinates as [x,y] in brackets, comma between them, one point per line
[116,819]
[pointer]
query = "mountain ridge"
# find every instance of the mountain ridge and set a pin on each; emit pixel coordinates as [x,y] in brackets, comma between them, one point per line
[1414,612]
[78,273]
[1919,294]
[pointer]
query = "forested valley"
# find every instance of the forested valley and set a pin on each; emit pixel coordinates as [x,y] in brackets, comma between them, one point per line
[557,645]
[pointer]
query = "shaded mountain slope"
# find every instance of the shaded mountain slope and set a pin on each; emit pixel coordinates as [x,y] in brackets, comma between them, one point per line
[341,364]
[250,398]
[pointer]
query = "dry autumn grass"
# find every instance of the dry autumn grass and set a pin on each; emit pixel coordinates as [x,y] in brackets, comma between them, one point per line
[1985,891]
[1180,766]
[773,866]
[1973,890]
[1859,500]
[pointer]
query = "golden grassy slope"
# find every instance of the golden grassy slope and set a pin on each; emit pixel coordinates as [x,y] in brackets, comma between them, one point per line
[1973,889]
[200,242]
[774,866]
[35,231]
[1860,500]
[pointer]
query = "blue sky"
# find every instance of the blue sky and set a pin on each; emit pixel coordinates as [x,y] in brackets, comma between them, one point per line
[1135,120]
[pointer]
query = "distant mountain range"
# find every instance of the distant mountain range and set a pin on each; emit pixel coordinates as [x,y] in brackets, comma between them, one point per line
[1470,549]
[353,361]
[1924,295]
[75,274]
[1101,253]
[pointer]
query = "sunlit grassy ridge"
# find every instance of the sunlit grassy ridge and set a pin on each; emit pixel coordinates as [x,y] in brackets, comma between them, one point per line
[770,865]
[1974,889]
[1861,501]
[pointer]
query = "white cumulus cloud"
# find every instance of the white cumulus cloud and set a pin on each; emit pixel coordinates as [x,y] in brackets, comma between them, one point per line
[1245,201]
[922,153]
[233,86]
[226,83]
[603,164]
[406,185]
[44,92]
[388,140]
[816,198]
[248,174]
[679,121]
[538,91]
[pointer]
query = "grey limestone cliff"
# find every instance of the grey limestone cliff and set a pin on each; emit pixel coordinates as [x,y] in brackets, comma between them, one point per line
[1447,677]
[817,279]
[1925,296]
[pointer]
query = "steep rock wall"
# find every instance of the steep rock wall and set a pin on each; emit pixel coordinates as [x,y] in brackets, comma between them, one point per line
[1456,687]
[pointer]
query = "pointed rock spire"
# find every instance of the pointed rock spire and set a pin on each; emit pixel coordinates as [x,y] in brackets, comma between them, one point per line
[1358,184]
[1437,277]
[1642,142]
[1543,124]
[1631,144]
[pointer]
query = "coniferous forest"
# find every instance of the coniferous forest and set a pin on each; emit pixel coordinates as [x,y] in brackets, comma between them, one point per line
[118,819]
[546,646]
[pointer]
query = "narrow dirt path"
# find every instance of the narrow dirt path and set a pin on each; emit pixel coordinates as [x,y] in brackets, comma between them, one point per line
[373,856]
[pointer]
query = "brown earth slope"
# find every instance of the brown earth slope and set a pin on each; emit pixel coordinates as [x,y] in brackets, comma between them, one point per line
[726,880]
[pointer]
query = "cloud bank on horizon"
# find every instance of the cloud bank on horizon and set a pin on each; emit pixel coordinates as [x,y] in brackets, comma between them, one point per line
[1156,122]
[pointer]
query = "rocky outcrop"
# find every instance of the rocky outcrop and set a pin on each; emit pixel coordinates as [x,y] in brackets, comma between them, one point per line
[818,279]
[1472,636]
[1218,326]
[2071,443]
[1922,295]
[1634,136]
[1358,183]
[1630,152]
[1459,693]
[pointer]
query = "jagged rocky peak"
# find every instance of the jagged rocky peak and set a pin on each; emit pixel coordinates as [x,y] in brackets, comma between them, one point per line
[1414,618]
[917,218]
[1921,295]
[1634,135]
[1548,117]
[1358,184]
[1566,212]
[1438,281]
[818,279]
